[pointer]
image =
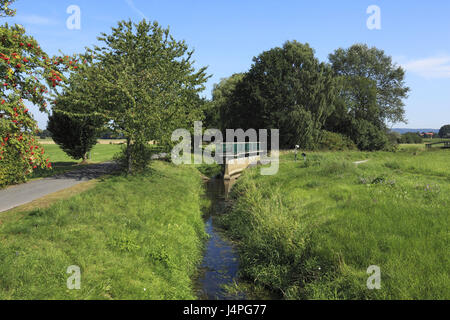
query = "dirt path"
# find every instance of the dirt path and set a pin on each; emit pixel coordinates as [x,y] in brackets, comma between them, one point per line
[360,162]
[23,193]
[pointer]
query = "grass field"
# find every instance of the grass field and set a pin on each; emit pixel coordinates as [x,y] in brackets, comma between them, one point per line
[312,230]
[133,238]
[61,162]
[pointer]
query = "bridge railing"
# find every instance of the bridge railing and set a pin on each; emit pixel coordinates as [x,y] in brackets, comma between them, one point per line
[445,143]
[239,149]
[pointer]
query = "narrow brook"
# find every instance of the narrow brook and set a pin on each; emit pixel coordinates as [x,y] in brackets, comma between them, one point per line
[221,262]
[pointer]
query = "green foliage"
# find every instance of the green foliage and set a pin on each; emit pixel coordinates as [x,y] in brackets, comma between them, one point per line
[5,9]
[411,138]
[368,136]
[44,134]
[371,94]
[444,132]
[10,170]
[287,89]
[223,96]
[136,237]
[394,137]
[27,73]
[76,136]
[335,142]
[142,82]
[140,155]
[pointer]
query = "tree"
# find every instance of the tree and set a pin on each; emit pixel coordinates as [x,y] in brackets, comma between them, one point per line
[142,82]
[28,74]
[75,136]
[411,138]
[222,99]
[43,134]
[444,132]
[372,90]
[287,89]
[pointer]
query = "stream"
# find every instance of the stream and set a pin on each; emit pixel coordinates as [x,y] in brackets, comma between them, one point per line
[221,262]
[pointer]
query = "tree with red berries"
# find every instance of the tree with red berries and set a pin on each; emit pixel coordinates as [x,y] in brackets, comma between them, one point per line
[27,73]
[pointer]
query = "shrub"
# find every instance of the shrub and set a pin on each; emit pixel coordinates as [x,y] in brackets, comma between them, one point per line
[335,142]
[369,137]
[12,168]
[141,155]
[411,138]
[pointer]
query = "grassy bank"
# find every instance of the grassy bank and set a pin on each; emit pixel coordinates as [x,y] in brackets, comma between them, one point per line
[312,230]
[133,238]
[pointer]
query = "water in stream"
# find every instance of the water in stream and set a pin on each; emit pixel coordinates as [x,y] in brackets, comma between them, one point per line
[220,263]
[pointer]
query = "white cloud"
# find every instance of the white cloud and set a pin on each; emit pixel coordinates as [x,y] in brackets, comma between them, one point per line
[437,67]
[35,20]
[139,12]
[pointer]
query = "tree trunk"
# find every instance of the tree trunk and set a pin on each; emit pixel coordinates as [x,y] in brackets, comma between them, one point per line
[129,171]
[84,158]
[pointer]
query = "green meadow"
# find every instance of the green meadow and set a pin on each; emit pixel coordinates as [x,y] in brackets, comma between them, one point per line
[61,162]
[309,232]
[136,237]
[312,230]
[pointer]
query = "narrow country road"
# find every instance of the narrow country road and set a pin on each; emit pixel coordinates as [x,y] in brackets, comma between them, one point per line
[23,193]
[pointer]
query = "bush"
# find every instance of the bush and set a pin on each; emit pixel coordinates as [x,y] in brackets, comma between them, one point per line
[11,169]
[141,155]
[394,137]
[411,138]
[369,137]
[335,142]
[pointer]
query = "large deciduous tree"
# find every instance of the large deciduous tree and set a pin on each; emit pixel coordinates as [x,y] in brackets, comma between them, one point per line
[27,73]
[287,89]
[371,95]
[142,82]
[223,95]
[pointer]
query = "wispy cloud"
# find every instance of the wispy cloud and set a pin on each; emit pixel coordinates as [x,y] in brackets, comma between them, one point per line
[35,20]
[437,67]
[132,6]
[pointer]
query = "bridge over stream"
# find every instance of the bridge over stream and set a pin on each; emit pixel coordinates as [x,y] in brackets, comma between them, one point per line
[446,144]
[237,156]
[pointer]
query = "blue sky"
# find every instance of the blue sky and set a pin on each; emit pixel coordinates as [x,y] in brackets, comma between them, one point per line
[226,35]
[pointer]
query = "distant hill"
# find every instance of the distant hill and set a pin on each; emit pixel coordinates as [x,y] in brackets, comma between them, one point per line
[402,131]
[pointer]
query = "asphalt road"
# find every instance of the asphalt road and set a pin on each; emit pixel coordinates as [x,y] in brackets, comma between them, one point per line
[23,193]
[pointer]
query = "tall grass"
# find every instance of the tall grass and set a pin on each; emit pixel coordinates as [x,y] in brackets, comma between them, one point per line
[137,237]
[312,230]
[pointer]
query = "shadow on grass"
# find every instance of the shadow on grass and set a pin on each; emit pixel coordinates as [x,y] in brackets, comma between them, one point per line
[57,168]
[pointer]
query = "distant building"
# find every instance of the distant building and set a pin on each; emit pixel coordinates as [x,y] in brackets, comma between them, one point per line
[428,135]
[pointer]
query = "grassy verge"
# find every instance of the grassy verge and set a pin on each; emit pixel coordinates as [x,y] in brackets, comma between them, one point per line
[312,230]
[133,238]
